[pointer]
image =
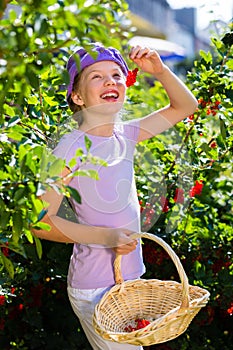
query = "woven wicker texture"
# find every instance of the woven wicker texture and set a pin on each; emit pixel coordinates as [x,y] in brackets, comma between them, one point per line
[168,305]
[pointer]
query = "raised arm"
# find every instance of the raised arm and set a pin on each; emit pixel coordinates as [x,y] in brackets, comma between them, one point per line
[182,101]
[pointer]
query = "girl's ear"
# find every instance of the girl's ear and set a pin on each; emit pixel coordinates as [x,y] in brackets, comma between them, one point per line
[77,99]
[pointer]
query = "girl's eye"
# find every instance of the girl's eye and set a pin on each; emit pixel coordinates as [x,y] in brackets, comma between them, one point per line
[96,76]
[117,75]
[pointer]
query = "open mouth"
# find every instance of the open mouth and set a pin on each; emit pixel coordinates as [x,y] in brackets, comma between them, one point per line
[110,96]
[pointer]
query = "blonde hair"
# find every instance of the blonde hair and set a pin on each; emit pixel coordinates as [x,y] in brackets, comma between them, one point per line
[76,109]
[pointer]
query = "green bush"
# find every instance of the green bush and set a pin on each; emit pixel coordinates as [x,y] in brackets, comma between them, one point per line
[184,176]
[193,211]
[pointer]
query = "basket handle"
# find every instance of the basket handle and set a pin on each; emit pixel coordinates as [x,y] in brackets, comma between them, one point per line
[173,256]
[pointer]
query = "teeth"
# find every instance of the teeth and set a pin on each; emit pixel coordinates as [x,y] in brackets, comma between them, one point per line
[110,94]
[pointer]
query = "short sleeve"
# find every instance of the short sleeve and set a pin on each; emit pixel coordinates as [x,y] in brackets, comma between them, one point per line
[66,149]
[131,130]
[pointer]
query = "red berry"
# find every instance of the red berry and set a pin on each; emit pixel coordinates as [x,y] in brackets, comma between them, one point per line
[179,195]
[213,144]
[131,77]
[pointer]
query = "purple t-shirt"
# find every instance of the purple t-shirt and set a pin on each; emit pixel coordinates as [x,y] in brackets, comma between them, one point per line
[110,201]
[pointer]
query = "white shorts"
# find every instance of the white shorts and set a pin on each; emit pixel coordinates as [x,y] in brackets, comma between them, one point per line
[83,302]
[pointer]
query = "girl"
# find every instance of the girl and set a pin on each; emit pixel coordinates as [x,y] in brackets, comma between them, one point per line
[109,211]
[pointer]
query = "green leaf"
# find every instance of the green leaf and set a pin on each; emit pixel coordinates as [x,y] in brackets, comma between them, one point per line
[42,225]
[37,204]
[217,43]
[88,143]
[206,56]
[38,247]
[8,265]
[50,100]
[32,100]
[20,193]
[229,64]
[74,194]
[17,225]
[79,152]
[32,77]
[56,167]
[43,27]
[4,219]
[14,135]
[93,174]
[72,162]
[29,236]
[9,110]
[17,248]
[2,206]
[228,39]
[205,147]
[80,173]
[3,175]
[223,129]
[12,15]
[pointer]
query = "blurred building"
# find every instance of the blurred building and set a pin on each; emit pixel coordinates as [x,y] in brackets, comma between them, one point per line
[175,29]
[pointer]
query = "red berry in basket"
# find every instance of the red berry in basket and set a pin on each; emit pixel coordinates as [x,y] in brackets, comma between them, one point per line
[139,324]
[129,329]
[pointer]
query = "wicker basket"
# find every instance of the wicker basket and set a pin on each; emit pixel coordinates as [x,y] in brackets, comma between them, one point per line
[168,305]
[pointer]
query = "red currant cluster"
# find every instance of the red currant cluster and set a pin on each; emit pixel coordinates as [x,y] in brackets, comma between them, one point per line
[196,189]
[5,250]
[147,212]
[164,204]
[212,107]
[131,77]
[230,310]
[139,324]
[213,144]
[178,198]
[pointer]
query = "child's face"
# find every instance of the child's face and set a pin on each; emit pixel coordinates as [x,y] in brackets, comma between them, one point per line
[102,83]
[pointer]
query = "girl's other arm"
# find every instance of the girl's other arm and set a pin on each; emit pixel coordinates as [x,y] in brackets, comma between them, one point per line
[53,199]
[66,231]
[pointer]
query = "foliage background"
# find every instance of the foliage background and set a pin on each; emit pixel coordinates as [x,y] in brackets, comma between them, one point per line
[35,312]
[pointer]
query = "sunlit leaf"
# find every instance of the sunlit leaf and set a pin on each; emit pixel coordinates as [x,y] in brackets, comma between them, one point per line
[38,247]
[74,194]
[88,143]
[8,265]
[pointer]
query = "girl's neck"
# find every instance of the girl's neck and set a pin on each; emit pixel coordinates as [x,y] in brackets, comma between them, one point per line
[99,119]
[105,130]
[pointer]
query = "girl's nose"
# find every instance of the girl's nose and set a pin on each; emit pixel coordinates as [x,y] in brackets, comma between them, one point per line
[109,80]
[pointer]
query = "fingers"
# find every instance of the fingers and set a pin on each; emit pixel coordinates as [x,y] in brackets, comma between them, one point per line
[119,239]
[126,248]
[149,61]
[138,52]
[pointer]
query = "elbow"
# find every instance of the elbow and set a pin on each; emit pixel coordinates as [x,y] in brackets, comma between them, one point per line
[191,108]
[193,105]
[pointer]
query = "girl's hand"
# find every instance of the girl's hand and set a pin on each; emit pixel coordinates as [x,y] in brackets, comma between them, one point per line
[126,248]
[147,60]
[120,241]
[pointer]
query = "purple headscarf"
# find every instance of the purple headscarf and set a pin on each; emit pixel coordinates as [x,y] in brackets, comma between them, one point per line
[85,60]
